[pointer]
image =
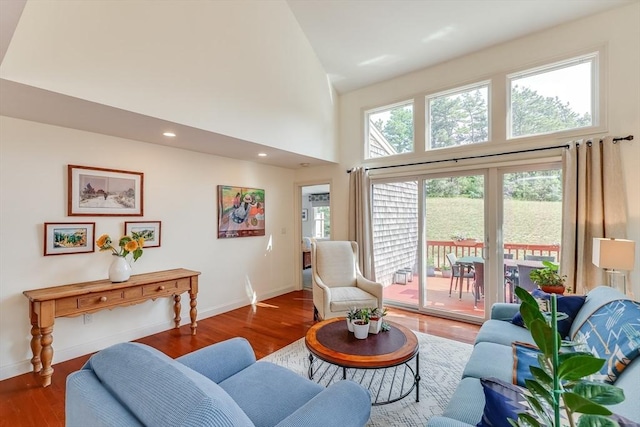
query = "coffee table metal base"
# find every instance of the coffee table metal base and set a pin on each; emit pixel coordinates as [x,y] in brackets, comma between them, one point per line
[386,385]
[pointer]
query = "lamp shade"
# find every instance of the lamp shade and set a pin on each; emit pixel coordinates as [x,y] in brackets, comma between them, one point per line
[616,254]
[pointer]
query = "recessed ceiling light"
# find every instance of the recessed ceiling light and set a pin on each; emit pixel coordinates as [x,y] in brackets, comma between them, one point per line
[262,154]
[169,134]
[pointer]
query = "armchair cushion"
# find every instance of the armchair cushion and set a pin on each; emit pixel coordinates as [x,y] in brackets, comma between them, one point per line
[254,394]
[342,299]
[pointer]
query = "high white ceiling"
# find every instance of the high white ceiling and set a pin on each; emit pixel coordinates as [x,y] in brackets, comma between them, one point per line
[358,42]
[362,42]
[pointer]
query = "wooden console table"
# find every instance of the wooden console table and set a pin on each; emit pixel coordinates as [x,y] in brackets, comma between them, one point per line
[88,297]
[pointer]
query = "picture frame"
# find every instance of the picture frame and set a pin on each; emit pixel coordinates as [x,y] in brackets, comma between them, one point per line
[150,231]
[66,238]
[96,191]
[305,213]
[241,211]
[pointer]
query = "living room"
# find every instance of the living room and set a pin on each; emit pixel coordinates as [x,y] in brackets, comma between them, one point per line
[313,124]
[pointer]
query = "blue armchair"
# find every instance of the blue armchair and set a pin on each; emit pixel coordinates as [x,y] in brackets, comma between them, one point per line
[131,384]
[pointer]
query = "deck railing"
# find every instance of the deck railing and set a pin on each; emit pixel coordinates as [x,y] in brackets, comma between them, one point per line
[438,249]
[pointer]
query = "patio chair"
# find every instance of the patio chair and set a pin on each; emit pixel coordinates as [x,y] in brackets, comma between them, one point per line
[458,272]
[338,284]
[524,281]
[539,258]
[478,282]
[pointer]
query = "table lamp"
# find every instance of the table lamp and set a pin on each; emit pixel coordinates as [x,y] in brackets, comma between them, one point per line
[614,255]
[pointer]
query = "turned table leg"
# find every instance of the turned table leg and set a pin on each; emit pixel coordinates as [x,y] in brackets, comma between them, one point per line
[45,321]
[36,346]
[177,307]
[193,313]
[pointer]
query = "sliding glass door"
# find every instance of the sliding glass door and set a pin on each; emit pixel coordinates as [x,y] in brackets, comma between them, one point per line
[449,244]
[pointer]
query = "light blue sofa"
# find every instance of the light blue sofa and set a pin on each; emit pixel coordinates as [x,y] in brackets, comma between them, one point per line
[492,356]
[132,384]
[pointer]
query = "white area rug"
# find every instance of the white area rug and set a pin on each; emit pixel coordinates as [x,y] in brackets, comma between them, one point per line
[441,364]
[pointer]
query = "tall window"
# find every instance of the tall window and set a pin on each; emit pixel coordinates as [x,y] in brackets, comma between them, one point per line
[390,130]
[322,222]
[458,117]
[553,98]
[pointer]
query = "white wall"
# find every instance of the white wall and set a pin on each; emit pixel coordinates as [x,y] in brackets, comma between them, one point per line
[180,190]
[617,30]
[239,68]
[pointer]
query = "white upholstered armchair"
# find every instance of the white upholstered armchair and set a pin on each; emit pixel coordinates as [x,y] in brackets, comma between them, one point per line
[337,282]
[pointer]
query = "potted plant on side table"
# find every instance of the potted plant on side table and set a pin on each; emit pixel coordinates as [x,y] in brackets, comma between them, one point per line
[548,279]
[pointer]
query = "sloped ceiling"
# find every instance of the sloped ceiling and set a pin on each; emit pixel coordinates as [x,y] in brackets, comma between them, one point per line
[357,43]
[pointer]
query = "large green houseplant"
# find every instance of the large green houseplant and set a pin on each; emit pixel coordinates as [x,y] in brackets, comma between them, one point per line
[559,383]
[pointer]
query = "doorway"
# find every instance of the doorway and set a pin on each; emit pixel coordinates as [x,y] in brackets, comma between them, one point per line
[315,215]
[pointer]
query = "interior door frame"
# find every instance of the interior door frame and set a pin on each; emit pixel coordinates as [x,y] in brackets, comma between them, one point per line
[297,234]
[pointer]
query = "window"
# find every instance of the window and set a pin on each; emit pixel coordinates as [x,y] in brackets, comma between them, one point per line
[322,222]
[553,98]
[390,130]
[458,117]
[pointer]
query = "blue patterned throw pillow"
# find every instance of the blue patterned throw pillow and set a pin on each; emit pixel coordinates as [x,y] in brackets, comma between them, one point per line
[502,401]
[612,333]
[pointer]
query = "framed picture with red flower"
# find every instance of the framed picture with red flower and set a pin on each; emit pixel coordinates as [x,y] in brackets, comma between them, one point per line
[104,192]
[65,238]
[147,230]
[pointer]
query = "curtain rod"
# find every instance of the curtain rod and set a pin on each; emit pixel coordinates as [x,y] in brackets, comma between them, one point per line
[482,156]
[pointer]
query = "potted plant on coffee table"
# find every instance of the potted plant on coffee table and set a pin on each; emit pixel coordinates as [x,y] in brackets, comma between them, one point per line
[376,319]
[361,323]
[548,279]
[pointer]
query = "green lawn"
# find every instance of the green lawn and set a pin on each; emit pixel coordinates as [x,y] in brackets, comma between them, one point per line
[524,221]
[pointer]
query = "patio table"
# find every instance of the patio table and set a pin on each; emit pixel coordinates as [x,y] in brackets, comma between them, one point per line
[466,262]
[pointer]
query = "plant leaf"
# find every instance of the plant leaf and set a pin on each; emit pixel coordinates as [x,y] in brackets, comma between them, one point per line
[596,421]
[576,367]
[539,390]
[602,393]
[543,336]
[538,409]
[577,403]
[528,420]
[541,376]
[530,312]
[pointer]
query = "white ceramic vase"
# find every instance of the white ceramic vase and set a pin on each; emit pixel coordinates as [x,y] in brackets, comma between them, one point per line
[120,270]
[361,331]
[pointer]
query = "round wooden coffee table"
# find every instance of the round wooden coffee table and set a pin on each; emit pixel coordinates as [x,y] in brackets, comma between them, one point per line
[380,362]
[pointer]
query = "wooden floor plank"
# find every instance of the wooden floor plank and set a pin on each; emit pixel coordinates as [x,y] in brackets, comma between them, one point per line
[269,326]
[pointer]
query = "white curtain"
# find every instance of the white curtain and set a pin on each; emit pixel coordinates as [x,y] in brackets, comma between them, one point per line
[360,229]
[594,205]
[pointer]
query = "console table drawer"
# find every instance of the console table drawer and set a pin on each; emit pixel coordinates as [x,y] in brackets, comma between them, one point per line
[168,287]
[66,306]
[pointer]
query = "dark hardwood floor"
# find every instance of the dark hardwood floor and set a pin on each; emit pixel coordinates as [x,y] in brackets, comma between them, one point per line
[269,326]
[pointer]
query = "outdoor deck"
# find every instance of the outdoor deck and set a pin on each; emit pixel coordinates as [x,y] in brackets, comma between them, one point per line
[437,296]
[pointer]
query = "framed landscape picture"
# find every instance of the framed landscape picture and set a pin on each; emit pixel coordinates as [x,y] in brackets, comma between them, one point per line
[107,192]
[241,212]
[148,230]
[65,238]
